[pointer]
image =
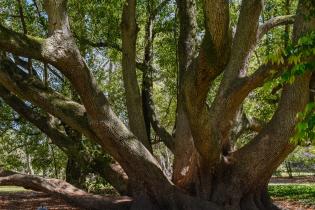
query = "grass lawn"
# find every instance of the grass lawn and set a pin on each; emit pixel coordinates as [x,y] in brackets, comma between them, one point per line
[304,193]
[11,189]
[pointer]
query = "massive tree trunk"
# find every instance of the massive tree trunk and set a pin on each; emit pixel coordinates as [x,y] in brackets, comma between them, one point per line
[208,172]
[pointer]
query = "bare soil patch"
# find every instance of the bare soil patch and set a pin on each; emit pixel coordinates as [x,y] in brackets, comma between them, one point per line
[292,205]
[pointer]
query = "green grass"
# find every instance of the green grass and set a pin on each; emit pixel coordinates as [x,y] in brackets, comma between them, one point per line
[11,189]
[304,193]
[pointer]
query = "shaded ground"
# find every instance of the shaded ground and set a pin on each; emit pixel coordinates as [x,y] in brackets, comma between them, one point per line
[30,200]
[15,198]
[296,180]
[293,205]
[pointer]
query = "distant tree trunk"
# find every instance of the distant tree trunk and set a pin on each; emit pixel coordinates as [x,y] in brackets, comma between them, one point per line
[74,174]
[288,168]
[29,167]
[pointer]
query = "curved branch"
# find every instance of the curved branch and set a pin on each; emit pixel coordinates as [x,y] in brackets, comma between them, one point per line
[102,44]
[20,44]
[164,135]
[272,145]
[64,190]
[32,89]
[274,22]
[111,172]
[43,123]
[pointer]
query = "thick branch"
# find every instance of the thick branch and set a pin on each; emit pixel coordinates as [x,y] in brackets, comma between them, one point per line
[132,92]
[147,79]
[275,22]
[165,136]
[217,22]
[59,138]
[216,138]
[64,190]
[21,44]
[111,172]
[161,131]
[272,145]
[34,90]
[57,16]
[185,162]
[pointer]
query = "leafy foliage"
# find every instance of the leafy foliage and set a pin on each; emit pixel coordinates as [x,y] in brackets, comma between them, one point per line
[305,129]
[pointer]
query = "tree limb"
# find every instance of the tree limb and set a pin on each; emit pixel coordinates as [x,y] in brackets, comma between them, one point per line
[133,98]
[64,190]
[164,135]
[20,44]
[59,138]
[34,90]
[274,22]
[110,172]
[272,145]
[216,138]
[110,45]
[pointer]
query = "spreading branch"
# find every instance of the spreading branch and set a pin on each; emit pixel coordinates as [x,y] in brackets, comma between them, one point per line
[102,44]
[32,89]
[20,44]
[272,145]
[111,172]
[64,190]
[216,140]
[273,23]
[134,105]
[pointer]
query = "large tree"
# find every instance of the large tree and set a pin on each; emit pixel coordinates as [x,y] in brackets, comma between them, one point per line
[208,172]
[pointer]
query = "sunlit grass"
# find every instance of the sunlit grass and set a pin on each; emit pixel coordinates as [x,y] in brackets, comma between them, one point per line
[304,193]
[11,189]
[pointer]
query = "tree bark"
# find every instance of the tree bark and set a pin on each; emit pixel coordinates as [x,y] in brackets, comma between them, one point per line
[65,191]
[129,28]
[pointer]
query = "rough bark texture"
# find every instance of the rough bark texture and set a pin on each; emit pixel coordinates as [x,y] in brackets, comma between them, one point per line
[64,190]
[184,155]
[134,104]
